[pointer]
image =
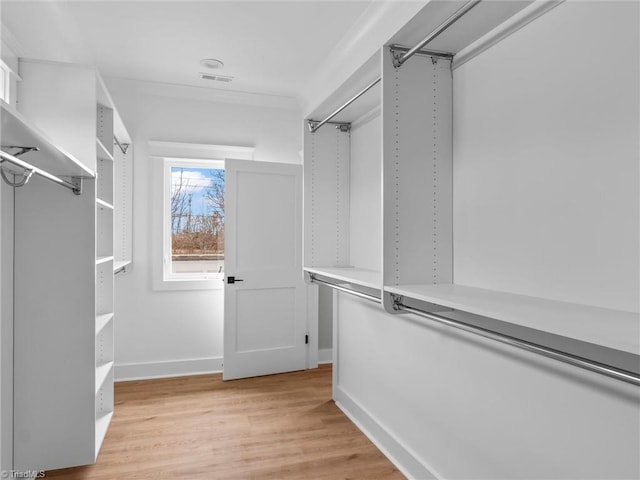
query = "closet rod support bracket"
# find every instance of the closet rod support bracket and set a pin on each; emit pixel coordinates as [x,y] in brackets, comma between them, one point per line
[21,150]
[395,56]
[77,185]
[122,146]
[397,302]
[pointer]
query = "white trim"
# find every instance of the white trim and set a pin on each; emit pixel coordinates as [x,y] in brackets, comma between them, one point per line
[312,325]
[201,151]
[164,369]
[325,355]
[502,31]
[400,455]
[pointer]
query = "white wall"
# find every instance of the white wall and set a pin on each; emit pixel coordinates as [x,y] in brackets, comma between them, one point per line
[178,332]
[365,193]
[6,291]
[6,326]
[446,403]
[546,137]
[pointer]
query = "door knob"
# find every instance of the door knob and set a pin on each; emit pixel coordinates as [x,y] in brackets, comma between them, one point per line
[231,279]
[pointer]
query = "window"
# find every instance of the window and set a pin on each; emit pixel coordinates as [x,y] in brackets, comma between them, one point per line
[193,219]
[187,248]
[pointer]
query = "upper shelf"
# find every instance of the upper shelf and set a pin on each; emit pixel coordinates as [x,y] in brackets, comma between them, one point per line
[18,131]
[480,21]
[614,329]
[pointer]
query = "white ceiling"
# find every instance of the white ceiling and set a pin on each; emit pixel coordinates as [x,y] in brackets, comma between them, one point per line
[269,47]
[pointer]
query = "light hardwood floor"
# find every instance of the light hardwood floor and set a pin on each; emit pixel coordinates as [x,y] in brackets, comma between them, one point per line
[268,428]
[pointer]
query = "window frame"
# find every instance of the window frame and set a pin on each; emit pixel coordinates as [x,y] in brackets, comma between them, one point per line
[204,280]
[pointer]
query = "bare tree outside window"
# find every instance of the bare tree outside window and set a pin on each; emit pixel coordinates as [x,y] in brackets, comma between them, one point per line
[197,220]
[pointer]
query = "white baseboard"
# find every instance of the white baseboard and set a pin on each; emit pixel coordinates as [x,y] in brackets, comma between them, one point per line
[176,368]
[325,355]
[399,454]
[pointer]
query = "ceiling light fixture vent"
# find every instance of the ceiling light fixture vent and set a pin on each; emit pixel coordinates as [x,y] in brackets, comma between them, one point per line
[211,63]
[217,78]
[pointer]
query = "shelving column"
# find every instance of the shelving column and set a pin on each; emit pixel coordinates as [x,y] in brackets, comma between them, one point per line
[417,171]
[104,274]
[326,197]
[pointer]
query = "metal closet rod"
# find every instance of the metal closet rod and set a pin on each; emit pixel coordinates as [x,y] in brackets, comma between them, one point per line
[457,15]
[314,125]
[366,296]
[75,188]
[398,61]
[561,356]
[577,361]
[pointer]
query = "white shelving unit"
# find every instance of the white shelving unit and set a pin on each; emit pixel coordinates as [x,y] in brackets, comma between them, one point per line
[413,166]
[341,160]
[115,143]
[509,270]
[104,353]
[64,286]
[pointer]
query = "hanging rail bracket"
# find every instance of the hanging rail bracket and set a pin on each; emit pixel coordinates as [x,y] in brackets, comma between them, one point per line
[122,146]
[396,302]
[342,126]
[397,51]
[21,150]
[122,269]
[77,185]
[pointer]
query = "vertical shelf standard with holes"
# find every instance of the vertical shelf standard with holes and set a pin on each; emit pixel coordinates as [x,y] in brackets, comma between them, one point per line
[64,274]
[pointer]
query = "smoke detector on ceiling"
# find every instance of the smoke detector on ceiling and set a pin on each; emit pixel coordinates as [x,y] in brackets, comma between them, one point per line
[211,63]
[217,78]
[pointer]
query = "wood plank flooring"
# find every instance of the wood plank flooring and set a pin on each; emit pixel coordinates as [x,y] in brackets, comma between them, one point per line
[278,427]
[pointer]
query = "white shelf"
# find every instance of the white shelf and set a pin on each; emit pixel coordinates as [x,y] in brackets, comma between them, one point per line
[101,260]
[358,276]
[102,321]
[102,372]
[104,204]
[17,130]
[102,152]
[102,424]
[615,329]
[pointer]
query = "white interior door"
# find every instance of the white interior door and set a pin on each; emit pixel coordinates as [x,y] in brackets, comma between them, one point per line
[265,325]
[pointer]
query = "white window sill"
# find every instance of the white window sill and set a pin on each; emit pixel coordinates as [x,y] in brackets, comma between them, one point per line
[178,284]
